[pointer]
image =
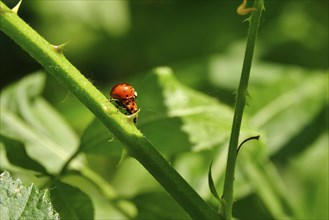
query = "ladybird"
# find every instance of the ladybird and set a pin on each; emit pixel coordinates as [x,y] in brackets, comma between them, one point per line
[130,107]
[124,95]
[123,91]
[129,104]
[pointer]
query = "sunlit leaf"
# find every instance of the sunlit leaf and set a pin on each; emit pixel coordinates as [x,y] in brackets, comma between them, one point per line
[155,122]
[307,179]
[129,185]
[290,102]
[29,119]
[17,155]
[283,103]
[23,202]
[204,120]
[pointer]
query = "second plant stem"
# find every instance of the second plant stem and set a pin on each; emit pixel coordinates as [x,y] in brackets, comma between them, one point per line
[227,198]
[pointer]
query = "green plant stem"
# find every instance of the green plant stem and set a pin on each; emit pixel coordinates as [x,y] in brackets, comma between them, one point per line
[120,126]
[227,198]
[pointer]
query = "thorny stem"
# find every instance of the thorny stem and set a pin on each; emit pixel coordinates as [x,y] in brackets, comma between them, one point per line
[227,198]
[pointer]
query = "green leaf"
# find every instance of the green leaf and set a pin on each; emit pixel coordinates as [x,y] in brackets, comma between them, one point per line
[107,205]
[202,123]
[17,155]
[284,101]
[70,202]
[205,119]
[127,184]
[193,120]
[96,139]
[155,122]
[212,185]
[289,102]
[307,180]
[258,175]
[187,120]
[158,205]
[168,129]
[23,202]
[29,119]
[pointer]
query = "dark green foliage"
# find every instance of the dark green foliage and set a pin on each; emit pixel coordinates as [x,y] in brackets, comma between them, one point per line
[71,202]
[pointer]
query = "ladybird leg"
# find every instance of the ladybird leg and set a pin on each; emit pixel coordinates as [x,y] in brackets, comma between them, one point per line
[118,104]
[243,10]
[133,117]
[113,100]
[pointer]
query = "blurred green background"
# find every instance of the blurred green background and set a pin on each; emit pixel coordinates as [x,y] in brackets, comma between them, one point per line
[203,42]
[114,41]
[117,39]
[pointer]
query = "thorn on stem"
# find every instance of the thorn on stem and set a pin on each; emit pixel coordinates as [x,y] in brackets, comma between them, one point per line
[243,10]
[60,48]
[248,139]
[16,8]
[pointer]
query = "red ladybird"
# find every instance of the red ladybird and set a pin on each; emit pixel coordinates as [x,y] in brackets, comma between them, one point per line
[131,109]
[130,105]
[123,91]
[124,96]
